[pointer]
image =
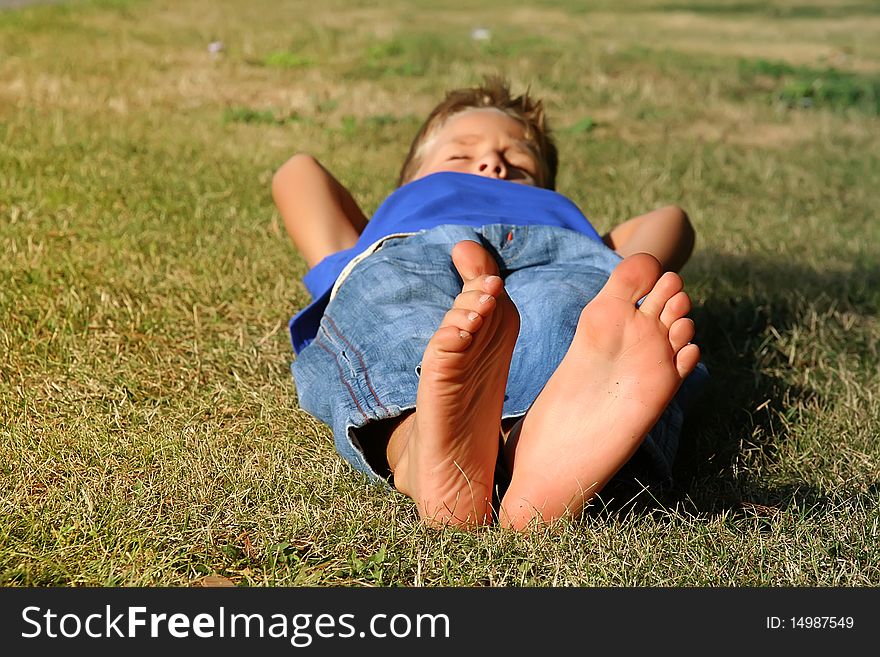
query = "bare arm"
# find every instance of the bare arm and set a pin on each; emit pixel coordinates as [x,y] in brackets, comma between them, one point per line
[319,213]
[666,233]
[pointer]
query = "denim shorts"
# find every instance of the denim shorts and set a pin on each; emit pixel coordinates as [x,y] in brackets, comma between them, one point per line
[364,363]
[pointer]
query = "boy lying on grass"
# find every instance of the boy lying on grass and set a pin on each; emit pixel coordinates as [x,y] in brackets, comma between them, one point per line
[478,336]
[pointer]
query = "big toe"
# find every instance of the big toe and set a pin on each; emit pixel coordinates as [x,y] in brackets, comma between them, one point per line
[634,277]
[472,260]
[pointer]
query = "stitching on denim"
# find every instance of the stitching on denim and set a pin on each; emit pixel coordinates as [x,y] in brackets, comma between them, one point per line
[342,378]
[363,364]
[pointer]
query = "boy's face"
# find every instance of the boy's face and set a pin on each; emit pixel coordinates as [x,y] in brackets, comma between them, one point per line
[484,142]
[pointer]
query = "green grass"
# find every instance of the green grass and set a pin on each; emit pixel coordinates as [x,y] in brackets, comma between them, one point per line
[803,87]
[149,427]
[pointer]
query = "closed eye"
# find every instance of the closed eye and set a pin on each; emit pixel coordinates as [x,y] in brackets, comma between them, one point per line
[520,160]
[523,167]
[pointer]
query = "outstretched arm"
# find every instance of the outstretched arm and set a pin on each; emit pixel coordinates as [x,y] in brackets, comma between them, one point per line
[666,234]
[319,213]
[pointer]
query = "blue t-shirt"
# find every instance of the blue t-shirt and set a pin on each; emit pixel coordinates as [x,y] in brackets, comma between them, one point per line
[436,200]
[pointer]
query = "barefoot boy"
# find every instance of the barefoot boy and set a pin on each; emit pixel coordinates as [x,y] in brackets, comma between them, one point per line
[477,335]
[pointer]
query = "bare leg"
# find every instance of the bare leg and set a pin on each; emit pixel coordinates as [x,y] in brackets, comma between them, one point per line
[443,455]
[624,366]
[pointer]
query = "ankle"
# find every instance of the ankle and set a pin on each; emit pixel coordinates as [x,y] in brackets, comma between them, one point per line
[396,453]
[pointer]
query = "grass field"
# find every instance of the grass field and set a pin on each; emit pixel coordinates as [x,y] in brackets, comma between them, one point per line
[149,428]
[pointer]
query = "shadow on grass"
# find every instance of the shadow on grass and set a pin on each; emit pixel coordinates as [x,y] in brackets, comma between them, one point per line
[748,304]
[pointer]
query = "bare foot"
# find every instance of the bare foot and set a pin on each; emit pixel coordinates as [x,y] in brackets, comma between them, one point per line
[446,458]
[622,369]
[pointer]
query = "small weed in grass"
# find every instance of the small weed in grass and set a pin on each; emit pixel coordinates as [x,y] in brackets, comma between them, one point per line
[773,10]
[247,115]
[351,126]
[385,49]
[286,59]
[410,55]
[326,105]
[397,57]
[250,115]
[835,90]
[382,119]
[582,126]
[803,87]
[505,45]
[748,68]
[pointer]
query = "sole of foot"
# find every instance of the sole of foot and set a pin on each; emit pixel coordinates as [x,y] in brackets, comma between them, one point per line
[625,364]
[448,459]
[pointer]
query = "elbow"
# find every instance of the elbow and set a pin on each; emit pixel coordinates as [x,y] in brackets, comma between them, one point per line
[681,222]
[301,161]
[687,235]
[297,163]
[687,228]
[678,213]
[680,236]
[291,170]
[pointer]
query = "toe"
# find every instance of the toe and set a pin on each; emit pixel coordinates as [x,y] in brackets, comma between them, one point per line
[680,333]
[476,300]
[491,284]
[677,307]
[669,285]
[472,260]
[686,359]
[450,339]
[463,319]
[634,277]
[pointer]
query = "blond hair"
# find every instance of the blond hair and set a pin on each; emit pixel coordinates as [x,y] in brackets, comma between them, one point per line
[493,93]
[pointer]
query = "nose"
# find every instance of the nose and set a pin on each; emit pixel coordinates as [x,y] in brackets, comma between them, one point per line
[491,165]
